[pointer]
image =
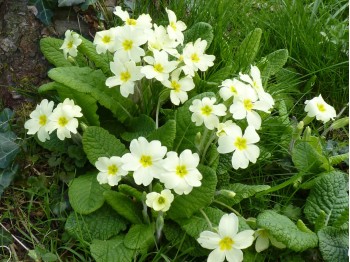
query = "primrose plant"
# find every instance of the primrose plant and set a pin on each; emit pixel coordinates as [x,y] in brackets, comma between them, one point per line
[157,135]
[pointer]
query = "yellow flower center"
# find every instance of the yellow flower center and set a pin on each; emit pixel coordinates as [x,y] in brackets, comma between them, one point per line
[146,161]
[161,200]
[181,171]
[158,68]
[131,21]
[173,25]
[248,105]
[240,143]
[42,120]
[70,44]
[125,76]
[62,121]
[112,170]
[233,90]
[321,107]
[175,85]
[226,243]
[195,58]
[106,39]
[206,110]
[127,44]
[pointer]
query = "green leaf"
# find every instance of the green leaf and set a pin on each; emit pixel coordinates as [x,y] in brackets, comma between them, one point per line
[102,224]
[44,13]
[198,223]
[275,61]
[49,257]
[165,134]
[86,4]
[97,142]
[186,205]
[330,195]
[100,60]
[186,130]
[140,237]
[8,148]
[334,244]
[6,177]
[5,118]
[124,206]
[306,158]
[142,125]
[54,144]
[50,47]
[69,2]
[199,30]
[131,191]
[86,194]
[5,237]
[85,101]
[220,75]
[285,231]
[87,80]
[111,250]
[247,51]
[242,191]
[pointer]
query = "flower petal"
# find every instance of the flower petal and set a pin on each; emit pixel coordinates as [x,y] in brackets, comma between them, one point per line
[228,225]
[243,239]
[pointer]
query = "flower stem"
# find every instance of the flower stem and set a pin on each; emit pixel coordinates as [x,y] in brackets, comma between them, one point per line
[228,207]
[206,218]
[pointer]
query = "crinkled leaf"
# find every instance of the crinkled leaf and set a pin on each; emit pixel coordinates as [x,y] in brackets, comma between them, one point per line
[334,244]
[330,195]
[285,231]
[6,177]
[8,148]
[100,60]
[186,205]
[124,206]
[220,75]
[140,236]
[241,192]
[212,157]
[165,134]
[86,194]
[87,80]
[199,30]
[111,250]
[306,157]
[97,142]
[5,117]
[142,125]
[69,2]
[102,224]
[275,61]
[55,144]
[50,47]
[186,130]
[247,51]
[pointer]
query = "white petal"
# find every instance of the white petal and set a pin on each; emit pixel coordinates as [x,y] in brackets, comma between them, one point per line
[252,153]
[209,240]
[262,243]
[228,225]
[225,144]
[239,160]
[254,119]
[251,135]
[234,255]
[216,256]
[243,239]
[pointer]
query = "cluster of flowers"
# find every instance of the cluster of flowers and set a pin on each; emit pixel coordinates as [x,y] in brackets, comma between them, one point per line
[244,95]
[44,119]
[163,61]
[146,161]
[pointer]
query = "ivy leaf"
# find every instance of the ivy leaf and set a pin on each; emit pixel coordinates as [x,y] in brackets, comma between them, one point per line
[86,4]
[140,237]
[8,148]
[6,177]
[285,231]
[330,195]
[242,191]
[165,134]
[86,194]
[334,244]
[124,206]
[199,30]
[5,117]
[87,80]
[247,51]
[186,205]
[44,13]
[102,224]
[111,250]
[186,130]
[97,142]
[142,125]
[69,2]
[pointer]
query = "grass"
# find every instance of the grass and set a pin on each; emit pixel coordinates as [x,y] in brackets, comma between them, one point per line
[30,207]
